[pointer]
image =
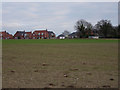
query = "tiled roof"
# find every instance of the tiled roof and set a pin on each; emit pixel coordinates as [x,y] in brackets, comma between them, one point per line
[28,32]
[72,34]
[21,32]
[61,35]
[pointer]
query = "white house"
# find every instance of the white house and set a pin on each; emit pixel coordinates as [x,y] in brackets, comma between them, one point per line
[94,37]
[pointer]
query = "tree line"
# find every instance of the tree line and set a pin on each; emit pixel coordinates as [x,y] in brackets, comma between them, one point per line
[103,29]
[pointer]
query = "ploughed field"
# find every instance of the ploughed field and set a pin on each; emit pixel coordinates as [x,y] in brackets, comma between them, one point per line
[72,63]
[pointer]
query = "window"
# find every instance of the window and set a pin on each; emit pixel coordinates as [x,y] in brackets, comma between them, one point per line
[42,33]
[25,34]
[52,34]
[38,33]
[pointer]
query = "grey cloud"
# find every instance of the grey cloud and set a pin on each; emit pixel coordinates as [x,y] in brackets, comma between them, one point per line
[55,16]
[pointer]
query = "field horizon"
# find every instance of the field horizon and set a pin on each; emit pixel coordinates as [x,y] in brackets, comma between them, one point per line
[58,41]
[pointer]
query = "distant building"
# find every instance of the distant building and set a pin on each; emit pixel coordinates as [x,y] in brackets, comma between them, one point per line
[72,35]
[37,34]
[93,37]
[51,35]
[28,35]
[66,33]
[93,34]
[61,36]
[10,36]
[40,34]
[19,35]
[5,35]
[23,35]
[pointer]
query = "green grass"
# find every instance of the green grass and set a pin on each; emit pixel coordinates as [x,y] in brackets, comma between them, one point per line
[98,57]
[58,41]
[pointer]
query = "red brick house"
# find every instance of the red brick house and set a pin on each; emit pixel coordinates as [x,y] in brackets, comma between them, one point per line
[19,35]
[5,35]
[37,34]
[40,34]
[10,36]
[23,35]
[28,35]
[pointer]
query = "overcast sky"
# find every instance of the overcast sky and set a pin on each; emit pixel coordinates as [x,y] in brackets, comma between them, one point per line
[55,16]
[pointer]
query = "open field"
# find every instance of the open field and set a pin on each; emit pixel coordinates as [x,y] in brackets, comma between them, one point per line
[58,41]
[79,63]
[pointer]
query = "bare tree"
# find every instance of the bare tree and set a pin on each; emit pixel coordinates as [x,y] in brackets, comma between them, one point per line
[104,27]
[82,26]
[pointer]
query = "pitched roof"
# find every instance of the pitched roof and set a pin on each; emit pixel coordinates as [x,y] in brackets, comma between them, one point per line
[73,34]
[61,35]
[28,32]
[21,32]
[50,32]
